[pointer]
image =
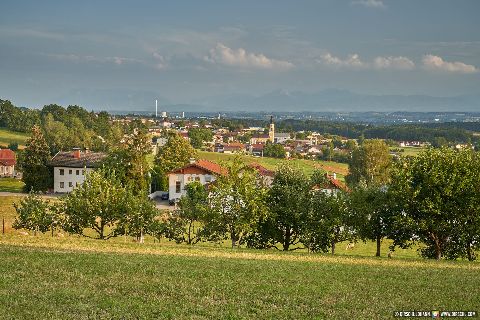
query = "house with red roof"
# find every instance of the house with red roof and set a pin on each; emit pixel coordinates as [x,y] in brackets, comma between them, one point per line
[332,185]
[202,171]
[7,163]
[205,172]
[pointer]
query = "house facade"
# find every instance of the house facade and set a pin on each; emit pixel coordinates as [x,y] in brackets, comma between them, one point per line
[205,172]
[7,163]
[202,171]
[71,168]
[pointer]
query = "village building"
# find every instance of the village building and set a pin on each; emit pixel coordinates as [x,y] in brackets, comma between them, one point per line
[204,172]
[71,168]
[7,163]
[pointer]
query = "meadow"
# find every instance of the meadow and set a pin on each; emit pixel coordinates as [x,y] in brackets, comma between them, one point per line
[307,166]
[11,185]
[71,277]
[9,136]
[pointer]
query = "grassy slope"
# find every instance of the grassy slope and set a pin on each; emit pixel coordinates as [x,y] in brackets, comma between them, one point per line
[79,279]
[11,185]
[270,163]
[8,136]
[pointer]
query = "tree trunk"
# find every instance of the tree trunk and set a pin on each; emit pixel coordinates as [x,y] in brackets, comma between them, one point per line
[470,253]
[189,240]
[379,242]
[438,249]
[233,236]
[333,247]
[286,240]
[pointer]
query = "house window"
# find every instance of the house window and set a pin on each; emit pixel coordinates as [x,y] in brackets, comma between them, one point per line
[77,172]
[70,184]
[208,178]
[197,178]
[62,172]
[70,171]
[178,187]
[83,172]
[62,185]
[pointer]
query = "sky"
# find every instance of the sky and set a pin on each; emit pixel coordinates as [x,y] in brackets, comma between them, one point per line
[74,52]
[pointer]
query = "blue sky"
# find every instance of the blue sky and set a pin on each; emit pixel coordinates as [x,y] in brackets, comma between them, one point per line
[184,51]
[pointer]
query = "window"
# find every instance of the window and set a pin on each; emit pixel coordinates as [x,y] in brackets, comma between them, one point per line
[70,184]
[83,172]
[208,178]
[77,172]
[70,171]
[62,185]
[62,172]
[197,178]
[178,187]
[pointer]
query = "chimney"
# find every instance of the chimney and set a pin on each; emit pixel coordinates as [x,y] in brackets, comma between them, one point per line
[334,176]
[76,153]
[192,160]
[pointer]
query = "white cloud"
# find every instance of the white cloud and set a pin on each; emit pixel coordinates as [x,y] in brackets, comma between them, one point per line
[352,61]
[370,3]
[222,54]
[436,63]
[399,63]
[89,58]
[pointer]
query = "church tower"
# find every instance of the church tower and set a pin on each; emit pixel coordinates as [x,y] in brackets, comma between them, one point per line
[271,131]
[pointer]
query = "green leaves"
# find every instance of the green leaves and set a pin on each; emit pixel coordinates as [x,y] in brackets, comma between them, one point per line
[35,214]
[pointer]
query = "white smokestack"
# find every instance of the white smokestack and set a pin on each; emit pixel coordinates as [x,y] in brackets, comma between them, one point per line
[156,108]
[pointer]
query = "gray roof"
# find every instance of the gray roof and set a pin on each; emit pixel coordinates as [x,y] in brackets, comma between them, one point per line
[86,159]
[282,135]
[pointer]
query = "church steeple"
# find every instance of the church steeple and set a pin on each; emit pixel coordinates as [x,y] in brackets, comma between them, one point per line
[271,131]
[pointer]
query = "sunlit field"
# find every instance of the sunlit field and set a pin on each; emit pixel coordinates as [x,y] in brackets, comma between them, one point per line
[308,166]
[72,277]
[9,136]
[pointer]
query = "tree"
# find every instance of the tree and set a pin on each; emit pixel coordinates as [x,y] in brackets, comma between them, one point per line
[35,214]
[274,150]
[139,218]
[192,210]
[327,223]
[370,163]
[199,135]
[288,199]
[373,213]
[236,201]
[176,153]
[36,173]
[98,204]
[130,163]
[438,193]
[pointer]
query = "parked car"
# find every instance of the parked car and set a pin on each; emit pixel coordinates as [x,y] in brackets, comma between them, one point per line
[164,196]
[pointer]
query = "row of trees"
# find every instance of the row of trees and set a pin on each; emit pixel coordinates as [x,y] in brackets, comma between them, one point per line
[432,199]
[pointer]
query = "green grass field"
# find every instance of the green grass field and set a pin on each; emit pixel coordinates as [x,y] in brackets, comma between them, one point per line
[8,136]
[308,166]
[11,185]
[71,277]
[92,279]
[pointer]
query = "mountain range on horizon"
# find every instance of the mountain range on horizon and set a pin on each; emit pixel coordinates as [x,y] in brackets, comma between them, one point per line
[330,100]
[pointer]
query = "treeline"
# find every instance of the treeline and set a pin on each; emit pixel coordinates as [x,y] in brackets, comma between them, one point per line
[432,199]
[63,128]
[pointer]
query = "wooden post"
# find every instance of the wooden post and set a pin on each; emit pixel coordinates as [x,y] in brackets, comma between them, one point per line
[3,225]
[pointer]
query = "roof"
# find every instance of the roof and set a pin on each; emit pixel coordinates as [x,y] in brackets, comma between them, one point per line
[262,170]
[206,165]
[282,135]
[84,159]
[7,157]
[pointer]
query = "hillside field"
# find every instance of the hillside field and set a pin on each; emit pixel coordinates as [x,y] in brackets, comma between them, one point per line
[71,277]
[8,136]
[75,278]
[308,166]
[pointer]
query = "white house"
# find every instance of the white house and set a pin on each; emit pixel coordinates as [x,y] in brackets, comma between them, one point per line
[204,172]
[7,163]
[71,168]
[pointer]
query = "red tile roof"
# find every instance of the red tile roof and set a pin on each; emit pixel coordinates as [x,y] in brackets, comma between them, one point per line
[7,157]
[262,170]
[206,165]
